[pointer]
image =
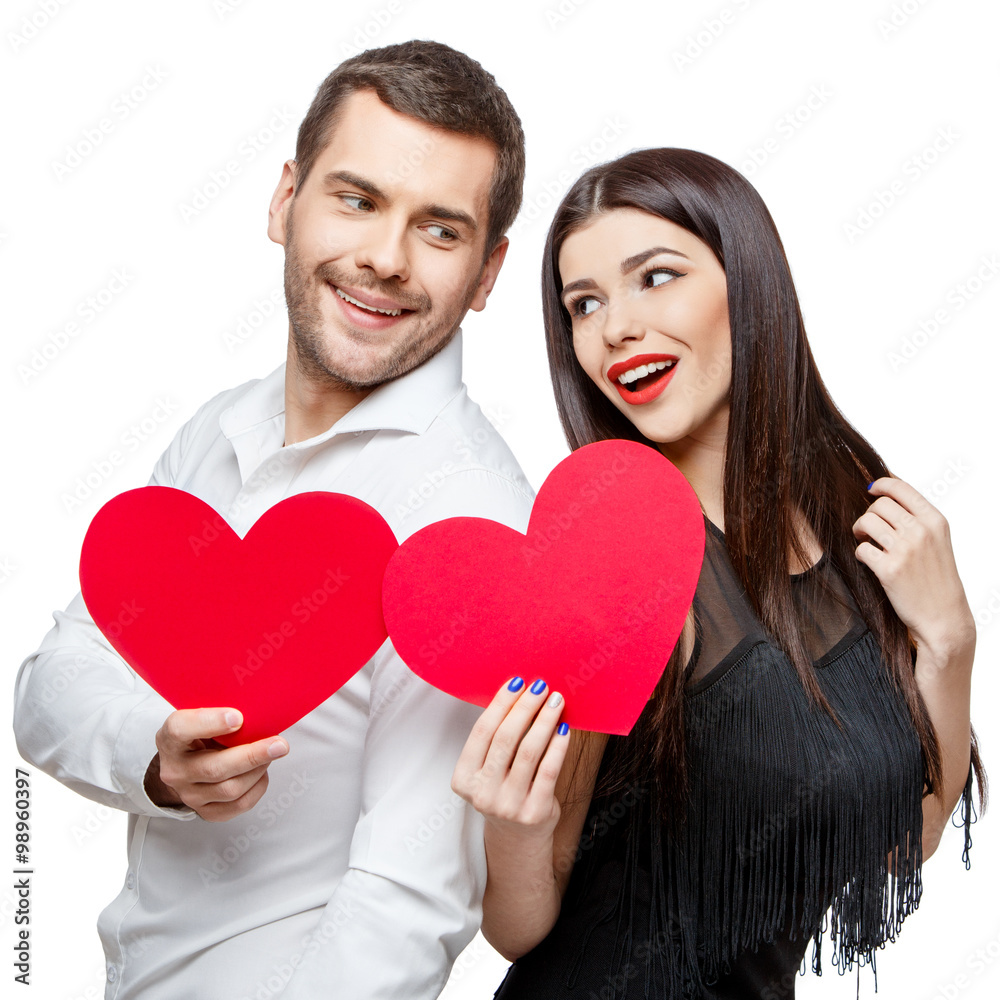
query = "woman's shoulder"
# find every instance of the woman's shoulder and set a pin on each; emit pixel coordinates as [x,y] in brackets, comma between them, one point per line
[723,626]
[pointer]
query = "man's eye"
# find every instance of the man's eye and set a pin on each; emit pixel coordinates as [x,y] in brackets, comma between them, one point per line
[358,202]
[441,233]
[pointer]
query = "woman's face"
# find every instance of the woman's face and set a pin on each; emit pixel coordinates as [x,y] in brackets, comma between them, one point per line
[641,291]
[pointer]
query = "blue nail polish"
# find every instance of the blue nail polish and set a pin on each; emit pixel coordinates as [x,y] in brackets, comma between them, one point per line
[538,687]
[870,485]
[563,729]
[516,684]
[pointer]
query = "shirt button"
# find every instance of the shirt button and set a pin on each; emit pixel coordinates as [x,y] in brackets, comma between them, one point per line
[130,881]
[112,973]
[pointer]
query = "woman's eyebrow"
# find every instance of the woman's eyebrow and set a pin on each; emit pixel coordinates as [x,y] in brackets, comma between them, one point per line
[631,263]
[575,286]
[628,264]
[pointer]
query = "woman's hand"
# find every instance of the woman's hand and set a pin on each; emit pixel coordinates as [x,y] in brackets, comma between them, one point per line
[915,564]
[512,759]
[916,567]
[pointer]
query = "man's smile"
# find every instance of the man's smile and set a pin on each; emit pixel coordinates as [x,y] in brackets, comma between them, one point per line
[365,309]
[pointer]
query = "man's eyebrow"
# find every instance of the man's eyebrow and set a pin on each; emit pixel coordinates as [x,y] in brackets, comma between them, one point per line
[355,180]
[363,184]
[631,263]
[451,214]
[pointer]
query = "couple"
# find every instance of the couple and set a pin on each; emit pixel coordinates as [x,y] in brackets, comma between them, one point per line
[799,753]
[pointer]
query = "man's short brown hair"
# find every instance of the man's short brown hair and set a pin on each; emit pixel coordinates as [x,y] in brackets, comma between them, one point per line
[435,84]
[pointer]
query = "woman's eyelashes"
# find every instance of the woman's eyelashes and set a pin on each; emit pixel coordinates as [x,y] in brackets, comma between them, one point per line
[578,307]
[654,277]
[668,274]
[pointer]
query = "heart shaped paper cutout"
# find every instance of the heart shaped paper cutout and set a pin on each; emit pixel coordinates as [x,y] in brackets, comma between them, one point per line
[592,599]
[271,624]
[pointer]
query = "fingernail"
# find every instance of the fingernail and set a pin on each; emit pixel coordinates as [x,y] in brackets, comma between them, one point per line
[277,749]
[538,687]
[234,720]
[563,729]
[556,700]
[516,684]
[870,485]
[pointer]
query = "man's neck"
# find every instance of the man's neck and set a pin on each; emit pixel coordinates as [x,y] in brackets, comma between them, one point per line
[313,406]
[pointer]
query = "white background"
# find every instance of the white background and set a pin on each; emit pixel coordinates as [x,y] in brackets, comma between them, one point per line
[602,77]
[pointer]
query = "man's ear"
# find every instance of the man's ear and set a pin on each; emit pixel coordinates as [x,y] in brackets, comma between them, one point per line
[489,275]
[280,202]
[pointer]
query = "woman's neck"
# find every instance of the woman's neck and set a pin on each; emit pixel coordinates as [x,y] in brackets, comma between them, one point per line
[702,463]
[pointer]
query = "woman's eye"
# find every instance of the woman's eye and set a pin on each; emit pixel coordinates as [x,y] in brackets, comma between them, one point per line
[585,306]
[660,276]
[441,233]
[358,202]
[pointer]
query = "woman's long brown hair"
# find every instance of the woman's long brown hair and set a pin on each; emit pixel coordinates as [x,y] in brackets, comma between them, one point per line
[788,445]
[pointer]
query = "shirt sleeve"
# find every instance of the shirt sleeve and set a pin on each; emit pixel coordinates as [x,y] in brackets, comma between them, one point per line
[411,898]
[82,715]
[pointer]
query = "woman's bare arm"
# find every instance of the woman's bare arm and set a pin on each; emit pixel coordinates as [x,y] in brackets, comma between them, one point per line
[944,676]
[906,542]
[529,872]
[511,770]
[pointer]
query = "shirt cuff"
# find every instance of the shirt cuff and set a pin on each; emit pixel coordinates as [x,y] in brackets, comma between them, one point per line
[134,749]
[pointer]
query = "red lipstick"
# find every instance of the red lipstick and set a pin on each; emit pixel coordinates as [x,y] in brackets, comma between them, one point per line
[652,384]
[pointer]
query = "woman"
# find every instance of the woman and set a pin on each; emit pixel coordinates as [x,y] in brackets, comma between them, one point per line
[810,735]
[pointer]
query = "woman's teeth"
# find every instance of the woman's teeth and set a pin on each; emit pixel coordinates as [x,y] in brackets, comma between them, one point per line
[636,373]
[361,305]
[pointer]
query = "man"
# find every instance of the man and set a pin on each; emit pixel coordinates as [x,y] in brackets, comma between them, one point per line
[348,868]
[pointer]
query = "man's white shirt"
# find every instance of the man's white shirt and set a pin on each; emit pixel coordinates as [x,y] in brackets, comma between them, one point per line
[359,874]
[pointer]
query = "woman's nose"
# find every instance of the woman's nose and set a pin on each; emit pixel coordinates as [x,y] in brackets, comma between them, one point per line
[621,324]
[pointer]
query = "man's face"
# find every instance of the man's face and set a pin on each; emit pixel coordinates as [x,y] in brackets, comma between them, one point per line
[384,244]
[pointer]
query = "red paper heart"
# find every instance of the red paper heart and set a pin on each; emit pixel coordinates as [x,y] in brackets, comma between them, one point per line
[592,599]
[272,624]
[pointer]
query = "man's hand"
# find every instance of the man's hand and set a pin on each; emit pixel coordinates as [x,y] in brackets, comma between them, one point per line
[192,769]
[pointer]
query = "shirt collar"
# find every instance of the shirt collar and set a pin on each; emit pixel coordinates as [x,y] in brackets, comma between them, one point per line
[408,403]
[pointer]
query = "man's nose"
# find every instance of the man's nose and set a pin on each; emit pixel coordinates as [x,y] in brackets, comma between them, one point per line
[383,249]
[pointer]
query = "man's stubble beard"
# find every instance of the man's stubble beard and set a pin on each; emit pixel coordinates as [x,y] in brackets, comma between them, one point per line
[311,351]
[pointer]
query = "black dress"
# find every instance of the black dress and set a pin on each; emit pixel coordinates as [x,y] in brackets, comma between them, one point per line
[789,825]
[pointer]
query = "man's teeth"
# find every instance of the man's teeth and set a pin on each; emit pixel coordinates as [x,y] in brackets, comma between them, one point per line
[361,305]
[636,373]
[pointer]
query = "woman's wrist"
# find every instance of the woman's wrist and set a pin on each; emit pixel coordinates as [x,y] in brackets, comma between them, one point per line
[947,653]
[521,834]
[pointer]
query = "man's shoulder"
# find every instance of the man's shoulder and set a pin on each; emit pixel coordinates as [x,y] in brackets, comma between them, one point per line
[476,435]
[206,416]
[221,401]
[474,440]
[471,471]
[198,436]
